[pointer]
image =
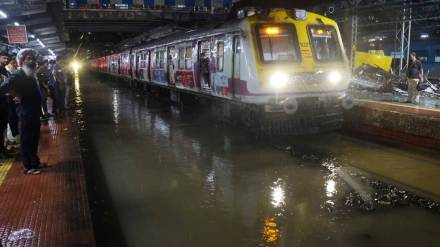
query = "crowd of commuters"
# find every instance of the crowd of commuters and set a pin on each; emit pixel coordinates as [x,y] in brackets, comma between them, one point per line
[31,91]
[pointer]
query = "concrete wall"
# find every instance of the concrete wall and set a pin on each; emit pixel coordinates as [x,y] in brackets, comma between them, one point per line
[399,124]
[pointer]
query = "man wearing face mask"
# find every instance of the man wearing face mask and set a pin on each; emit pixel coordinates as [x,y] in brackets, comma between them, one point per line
[24,87]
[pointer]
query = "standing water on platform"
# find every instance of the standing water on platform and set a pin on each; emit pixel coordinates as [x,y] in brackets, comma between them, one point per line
[158,177]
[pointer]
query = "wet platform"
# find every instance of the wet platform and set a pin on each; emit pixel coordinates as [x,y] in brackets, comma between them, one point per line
[395,123]
[50,209]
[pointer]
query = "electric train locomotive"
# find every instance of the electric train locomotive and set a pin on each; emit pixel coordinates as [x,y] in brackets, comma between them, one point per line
[279,70]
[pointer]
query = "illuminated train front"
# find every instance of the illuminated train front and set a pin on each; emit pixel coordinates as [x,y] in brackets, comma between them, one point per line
[281,72]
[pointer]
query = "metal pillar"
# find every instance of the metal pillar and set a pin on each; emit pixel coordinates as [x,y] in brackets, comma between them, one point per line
[354,38]
[404,37]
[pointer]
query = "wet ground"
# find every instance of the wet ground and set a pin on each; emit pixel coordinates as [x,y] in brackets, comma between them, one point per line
[160,177]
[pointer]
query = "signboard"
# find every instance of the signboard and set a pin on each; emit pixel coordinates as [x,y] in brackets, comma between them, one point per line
[17,34]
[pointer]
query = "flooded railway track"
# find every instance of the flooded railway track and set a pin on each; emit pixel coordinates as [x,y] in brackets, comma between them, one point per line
[162,178]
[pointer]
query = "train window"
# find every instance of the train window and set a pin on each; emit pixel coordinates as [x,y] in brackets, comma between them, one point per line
[325,45]
[156,59]
[278,43]
[437,56]
[162,59]
[188,57]
[181,64]
[220,55]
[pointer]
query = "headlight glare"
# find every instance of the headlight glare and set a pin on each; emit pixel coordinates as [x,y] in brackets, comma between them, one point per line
[278,80]
[334,77]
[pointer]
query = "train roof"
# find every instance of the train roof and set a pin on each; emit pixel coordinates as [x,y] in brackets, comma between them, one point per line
[210,30]
[187,35]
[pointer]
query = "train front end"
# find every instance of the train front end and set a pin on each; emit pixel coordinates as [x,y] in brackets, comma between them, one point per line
[302,72]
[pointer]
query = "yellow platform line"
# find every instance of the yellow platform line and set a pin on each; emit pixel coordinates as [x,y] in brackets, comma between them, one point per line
[5,166]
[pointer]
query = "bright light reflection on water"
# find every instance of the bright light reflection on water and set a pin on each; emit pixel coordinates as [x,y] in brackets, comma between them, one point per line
[330,188]
[115,104]
[278,195]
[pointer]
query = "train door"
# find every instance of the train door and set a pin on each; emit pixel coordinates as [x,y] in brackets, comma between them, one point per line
[171,51]
[148,63]
[132,65]
[236,45]
[119,65]
[204,61]
[137,62]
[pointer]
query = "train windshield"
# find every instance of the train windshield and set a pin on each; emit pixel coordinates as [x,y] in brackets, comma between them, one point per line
[325,43]
[278,43]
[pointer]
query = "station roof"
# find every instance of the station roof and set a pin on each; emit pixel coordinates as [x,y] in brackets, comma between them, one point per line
[43,20]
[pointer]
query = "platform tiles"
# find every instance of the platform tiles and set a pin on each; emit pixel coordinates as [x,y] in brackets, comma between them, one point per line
[50,209]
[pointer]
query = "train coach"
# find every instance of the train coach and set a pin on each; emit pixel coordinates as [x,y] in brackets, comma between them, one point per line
[280,71]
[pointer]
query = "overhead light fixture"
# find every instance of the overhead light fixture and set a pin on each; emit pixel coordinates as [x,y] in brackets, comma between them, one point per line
[3,15]
[41,43]
[32,36]
[51,52]
[16,24]
[424,36]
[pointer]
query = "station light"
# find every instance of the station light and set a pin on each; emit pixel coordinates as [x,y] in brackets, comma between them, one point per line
[16,24]
[3,15]
[41,43]
[32,36]
[424,36]
[51,52]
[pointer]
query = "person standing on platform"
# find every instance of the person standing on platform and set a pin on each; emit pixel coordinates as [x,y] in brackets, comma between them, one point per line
[12,66]
[58,85]
[204,71]
[24,87]
[4,74]
[69,80]
[414,75]
[12,132]
[43,78]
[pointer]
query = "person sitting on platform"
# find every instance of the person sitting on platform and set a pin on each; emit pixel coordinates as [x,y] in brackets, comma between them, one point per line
[24,87]
[414,75]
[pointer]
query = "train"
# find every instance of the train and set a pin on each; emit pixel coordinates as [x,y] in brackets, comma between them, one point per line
[279,71]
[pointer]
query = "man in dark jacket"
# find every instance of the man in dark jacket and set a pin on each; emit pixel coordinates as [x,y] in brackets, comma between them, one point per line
[414,75]
[4,59]
[43,78]
[24,87]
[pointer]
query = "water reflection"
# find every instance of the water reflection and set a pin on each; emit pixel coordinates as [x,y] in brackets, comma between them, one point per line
[278,196]
[77,87]
[270,232]
[214,187]
[116,106]
[330,188]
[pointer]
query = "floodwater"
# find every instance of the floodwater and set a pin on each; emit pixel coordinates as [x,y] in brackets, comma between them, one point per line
[160,177]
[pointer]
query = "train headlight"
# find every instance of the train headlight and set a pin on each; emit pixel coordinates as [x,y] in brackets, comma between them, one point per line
[75,66]
[278,80]
[334,77]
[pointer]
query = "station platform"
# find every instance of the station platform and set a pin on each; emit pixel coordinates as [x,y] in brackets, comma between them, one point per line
[50,209]
[395,123]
